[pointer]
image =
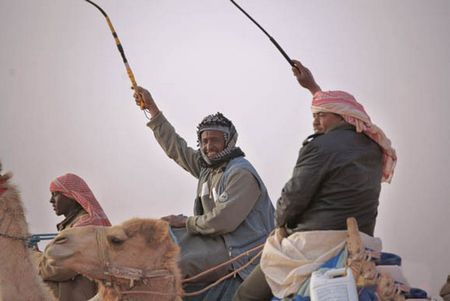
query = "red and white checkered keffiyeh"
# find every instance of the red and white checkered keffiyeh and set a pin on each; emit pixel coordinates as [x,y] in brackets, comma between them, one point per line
[345,104]
[74,187]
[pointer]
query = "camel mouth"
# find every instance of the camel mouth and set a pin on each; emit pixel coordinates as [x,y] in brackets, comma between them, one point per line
[58,253]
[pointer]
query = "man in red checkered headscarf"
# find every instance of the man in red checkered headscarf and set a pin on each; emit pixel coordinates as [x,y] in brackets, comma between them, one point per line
[83,204]
[73,198]
[346,106]
[337,175]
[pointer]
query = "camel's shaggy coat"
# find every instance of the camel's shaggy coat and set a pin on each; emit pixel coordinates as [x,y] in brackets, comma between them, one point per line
[19,279]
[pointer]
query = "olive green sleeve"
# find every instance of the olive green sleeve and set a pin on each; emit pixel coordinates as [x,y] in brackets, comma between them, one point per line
[175,146]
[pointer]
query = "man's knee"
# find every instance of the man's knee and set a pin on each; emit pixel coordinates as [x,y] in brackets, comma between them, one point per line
[241,293]
[245,293]
[254,288]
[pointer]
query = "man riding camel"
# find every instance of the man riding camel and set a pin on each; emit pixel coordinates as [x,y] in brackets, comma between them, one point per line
[72,198]
[337,175]
[232,211]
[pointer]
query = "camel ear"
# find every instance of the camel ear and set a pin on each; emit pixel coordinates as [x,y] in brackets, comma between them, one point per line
[116,236]
[159,232]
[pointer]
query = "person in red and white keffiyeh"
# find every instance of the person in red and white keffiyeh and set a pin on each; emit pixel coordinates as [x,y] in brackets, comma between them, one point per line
[73,198]
[337,175]
[80,198]
[345,105]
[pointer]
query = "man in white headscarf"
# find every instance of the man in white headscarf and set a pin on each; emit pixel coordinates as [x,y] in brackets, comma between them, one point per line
[232,211]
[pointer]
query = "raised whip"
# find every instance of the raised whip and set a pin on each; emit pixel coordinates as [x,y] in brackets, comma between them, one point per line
[122,53]
[267,34]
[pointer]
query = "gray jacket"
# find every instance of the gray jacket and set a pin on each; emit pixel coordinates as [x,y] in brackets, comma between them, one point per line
[337,175]
[232,200]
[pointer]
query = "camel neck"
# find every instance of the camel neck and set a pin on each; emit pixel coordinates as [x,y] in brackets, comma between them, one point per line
[18,276]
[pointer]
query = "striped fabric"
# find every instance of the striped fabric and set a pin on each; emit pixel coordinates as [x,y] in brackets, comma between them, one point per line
[345,104]
[74,187]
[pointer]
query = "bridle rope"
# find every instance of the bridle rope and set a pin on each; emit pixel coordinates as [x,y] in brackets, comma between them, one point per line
[113,272]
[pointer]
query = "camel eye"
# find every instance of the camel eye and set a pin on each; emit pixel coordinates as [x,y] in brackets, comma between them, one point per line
[115,241]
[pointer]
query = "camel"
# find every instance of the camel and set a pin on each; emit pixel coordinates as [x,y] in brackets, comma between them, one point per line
[136,260]
[19,278]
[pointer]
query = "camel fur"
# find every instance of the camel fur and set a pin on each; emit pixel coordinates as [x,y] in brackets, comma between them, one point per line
[19,278]
[143,245]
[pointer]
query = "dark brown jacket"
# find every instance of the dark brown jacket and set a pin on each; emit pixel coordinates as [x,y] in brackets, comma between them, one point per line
[337,175]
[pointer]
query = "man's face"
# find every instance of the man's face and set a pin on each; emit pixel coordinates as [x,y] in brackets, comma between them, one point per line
[324,121]
[62,204]
[212,143]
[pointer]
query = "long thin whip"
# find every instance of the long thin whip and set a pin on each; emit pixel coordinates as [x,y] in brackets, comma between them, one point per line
[122,53]
[267,34]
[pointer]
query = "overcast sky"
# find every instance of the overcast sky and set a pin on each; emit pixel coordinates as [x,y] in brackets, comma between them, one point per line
[66,103]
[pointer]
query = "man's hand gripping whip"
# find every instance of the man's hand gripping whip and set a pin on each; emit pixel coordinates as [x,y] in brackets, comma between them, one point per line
[122,53]
[265,32]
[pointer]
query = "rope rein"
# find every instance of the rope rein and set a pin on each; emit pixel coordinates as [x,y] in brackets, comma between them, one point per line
[233,273]
[198,292]
[224,264]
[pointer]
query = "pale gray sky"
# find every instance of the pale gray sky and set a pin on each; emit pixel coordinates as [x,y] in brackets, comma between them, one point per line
[66,103]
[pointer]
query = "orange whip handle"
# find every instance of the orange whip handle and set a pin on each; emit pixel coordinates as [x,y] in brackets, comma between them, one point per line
[122,53]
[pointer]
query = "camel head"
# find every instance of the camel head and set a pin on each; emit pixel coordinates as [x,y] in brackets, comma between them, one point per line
[136,246]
